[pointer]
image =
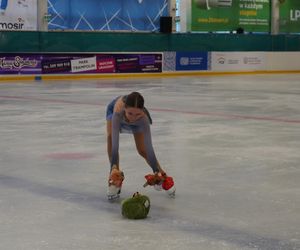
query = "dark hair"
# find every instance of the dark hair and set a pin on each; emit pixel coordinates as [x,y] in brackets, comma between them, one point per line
[134,100]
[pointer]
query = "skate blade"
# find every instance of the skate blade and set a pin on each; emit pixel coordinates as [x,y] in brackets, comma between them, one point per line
[171,192]
[172,195]
[113,197]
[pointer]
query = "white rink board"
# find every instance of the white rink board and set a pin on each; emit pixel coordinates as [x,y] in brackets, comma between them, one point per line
[283,60]
[238,61]
[255,61]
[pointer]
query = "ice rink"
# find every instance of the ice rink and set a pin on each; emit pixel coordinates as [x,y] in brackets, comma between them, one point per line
[232,144]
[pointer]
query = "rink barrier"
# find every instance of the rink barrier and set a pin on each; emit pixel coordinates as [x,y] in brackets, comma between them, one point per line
[167,64]
[83,42]
[135,75]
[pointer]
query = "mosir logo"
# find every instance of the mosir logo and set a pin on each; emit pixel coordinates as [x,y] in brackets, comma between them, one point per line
[12,26]
[295,15]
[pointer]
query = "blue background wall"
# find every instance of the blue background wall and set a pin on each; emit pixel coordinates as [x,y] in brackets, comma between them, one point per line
[133,15]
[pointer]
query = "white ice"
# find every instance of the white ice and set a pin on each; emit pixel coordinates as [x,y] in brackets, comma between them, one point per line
[232,144]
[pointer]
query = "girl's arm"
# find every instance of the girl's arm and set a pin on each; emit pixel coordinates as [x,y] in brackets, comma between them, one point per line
[116,120]
[151,158]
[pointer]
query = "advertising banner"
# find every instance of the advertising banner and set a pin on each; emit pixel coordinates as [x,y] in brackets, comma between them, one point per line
[18,15]
[191,61]
[103,15]
[238,61]
[20,64]
[79,63]
[289,16]
[83,64]
[228,15]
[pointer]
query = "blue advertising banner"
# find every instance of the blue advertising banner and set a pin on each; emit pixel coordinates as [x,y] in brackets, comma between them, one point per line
[191,61]
[104,15]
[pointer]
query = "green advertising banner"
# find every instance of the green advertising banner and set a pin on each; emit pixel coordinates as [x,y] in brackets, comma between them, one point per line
[289,16]
[228,15]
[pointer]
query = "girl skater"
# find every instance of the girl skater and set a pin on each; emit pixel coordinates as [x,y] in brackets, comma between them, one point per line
[128,114]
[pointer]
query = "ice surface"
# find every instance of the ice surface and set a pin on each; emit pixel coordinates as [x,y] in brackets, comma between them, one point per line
[231,143]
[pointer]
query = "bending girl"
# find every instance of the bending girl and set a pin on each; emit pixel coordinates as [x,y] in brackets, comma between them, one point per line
[128,114]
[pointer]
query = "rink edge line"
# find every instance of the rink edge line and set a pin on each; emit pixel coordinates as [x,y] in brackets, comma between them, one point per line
[138,75]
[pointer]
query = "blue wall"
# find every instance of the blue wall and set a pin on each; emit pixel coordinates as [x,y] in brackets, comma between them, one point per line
[101,15]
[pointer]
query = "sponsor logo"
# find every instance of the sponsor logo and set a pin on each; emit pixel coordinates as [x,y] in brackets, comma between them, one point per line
[184,61]
[221,60]
[56,66]
[233,61]
[295,15]
[252,60]
[12,26]
[84,64]
[17,63]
